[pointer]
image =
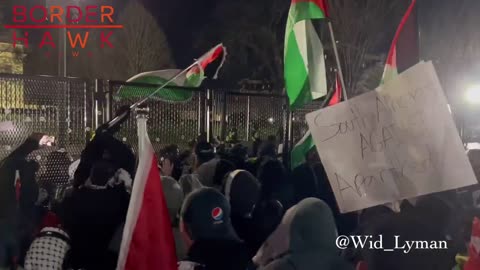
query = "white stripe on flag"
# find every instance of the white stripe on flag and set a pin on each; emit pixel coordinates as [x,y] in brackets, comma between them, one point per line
[146,153]
[311,50]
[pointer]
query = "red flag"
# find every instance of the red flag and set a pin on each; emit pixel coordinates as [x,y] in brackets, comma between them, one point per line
[147,241]
[473,262]
[337,97]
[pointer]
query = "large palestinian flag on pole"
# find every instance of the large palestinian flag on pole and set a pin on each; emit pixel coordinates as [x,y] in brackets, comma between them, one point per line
[193,78]
[305,75]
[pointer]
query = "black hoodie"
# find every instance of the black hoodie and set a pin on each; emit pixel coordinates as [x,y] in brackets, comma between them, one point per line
[217,254]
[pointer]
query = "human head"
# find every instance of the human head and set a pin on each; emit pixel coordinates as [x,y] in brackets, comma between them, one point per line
[238,153]
[223,168]
[204,152]
[205,214]
[189,183]
[299,233]
[237,185]
[271,174]
[267,149]
[173,196]
[407,228]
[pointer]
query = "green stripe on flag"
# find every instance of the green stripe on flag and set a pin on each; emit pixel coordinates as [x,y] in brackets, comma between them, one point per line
[300,151]
[167,94]
[305,76]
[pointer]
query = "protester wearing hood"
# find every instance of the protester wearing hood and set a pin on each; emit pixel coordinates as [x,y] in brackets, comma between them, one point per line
[104,147]
[305,239]
[205,163]
[238,156]
[14,203]
[275,183]
[223,168]
[237,185]
[189,184]
[174,198]
[93,212]
[208,232]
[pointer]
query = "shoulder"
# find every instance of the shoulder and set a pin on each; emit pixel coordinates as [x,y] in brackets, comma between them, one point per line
[188,265]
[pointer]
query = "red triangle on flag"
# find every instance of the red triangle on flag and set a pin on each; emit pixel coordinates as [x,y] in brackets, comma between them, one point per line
[337,96]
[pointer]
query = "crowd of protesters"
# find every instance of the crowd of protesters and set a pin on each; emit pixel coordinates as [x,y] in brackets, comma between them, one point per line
[230,207]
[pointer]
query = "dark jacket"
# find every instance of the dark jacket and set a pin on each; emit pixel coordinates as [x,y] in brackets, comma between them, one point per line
[91,218]
[218,255]
[121,156]
[29,190]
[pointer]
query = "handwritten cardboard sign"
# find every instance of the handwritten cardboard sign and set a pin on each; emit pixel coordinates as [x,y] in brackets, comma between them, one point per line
[393,143]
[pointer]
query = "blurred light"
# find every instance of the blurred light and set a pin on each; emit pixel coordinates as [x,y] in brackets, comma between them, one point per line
[270,120]
[449,108]
[473,94]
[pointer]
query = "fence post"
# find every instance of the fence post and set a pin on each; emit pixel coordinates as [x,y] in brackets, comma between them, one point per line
[209,114]
[89,105]
[224,117]
[62,116]
[248,119]
[108,101]
[288,114]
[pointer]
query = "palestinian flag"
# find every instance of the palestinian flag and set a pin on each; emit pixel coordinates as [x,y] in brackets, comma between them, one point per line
[300,150]
[191,79]
[405,43]
[147,241]
[304,67]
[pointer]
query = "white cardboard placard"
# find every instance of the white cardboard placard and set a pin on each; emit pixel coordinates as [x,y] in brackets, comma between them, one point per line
[393,143]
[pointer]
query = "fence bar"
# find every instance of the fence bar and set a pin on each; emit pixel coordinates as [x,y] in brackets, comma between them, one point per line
[248,119]
[287,131]
[209,106]
[223,133]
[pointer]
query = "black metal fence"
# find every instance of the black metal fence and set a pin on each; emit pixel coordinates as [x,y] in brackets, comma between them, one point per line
[71,109]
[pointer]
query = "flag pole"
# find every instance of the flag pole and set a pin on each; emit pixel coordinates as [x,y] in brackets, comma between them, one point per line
[118,118]
[337,59]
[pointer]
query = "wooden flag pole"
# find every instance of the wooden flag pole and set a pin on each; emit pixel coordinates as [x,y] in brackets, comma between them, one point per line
[337,59]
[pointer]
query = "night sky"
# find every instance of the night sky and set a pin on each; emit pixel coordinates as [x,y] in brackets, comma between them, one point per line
[180,19]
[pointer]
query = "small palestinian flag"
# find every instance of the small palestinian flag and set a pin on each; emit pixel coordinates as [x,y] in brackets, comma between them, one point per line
[191,79]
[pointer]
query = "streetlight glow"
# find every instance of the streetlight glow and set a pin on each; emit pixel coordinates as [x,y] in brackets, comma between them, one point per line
[473,94]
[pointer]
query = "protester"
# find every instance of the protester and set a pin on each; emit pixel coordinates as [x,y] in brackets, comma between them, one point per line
[275,183]
[174,198]
[208,232]
[305,180]
[238,155]
[189,183]
[171,155]
[93,212]
[14,203]
[305,239]
[242,190]
[223,168]
[104,147]
[205,163]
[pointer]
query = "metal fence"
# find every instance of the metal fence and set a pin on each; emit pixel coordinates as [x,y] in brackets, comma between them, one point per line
[71,109]
[58,107]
